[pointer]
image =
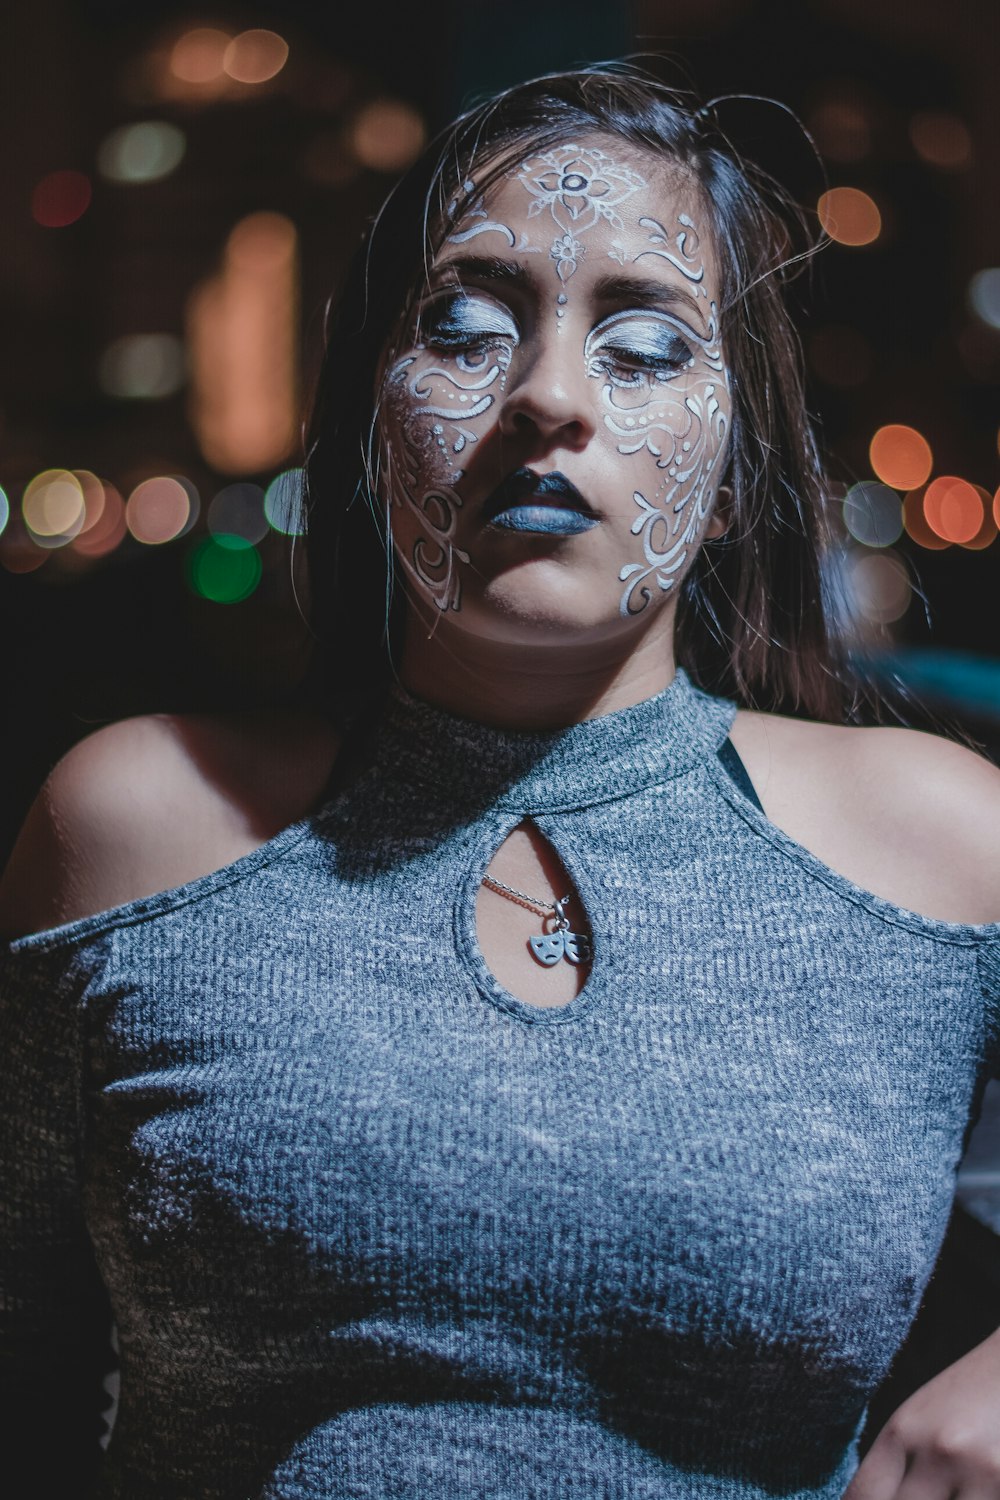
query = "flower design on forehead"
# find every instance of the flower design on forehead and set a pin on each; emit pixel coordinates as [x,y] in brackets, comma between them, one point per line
[580,186]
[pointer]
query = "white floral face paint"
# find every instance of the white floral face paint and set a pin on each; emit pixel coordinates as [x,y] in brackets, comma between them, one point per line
[574,241]
[579,186]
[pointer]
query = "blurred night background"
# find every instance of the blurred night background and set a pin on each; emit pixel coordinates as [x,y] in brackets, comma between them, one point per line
[181,188]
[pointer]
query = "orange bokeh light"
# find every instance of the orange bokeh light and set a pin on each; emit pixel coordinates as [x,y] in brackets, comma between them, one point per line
[197,57]
[953,508]
[901,457]
[987,533]
[915,523]
[242,328]
[255,56]
[849,216]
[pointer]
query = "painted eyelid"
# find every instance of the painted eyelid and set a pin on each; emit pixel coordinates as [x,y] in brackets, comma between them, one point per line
[666,328]
[461,314]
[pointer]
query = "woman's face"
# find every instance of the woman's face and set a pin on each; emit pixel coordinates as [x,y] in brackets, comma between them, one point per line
[553,425]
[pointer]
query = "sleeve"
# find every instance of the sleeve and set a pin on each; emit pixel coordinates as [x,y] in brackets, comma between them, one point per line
[55,1318]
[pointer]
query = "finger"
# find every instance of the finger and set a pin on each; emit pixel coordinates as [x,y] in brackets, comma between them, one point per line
[881,1471]
[933,1476]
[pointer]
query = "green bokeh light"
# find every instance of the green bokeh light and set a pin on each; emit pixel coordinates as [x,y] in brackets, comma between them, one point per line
[224,569]
[284,503]
[4,511]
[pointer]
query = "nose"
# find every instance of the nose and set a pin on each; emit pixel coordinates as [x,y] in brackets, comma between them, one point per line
[548,398]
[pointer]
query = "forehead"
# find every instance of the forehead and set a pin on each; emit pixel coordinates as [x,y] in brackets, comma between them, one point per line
[598,189]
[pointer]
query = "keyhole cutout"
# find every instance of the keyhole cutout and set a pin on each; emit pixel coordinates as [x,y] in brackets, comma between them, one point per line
[527,862]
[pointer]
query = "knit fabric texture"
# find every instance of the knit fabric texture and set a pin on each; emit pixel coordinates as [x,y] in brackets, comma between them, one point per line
[369,1226]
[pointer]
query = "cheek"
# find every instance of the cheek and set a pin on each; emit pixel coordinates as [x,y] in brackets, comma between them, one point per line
[436,409]
[672,439]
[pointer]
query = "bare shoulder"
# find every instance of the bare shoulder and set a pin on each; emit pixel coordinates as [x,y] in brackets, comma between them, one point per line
[911,816]
[151,802]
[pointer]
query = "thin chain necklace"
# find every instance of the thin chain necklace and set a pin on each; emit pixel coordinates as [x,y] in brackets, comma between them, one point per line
[549,947]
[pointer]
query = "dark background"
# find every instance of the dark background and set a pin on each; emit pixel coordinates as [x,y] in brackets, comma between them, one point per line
[84,643]
[125,634]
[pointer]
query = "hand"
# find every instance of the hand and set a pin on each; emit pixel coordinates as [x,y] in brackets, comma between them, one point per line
[943,1443]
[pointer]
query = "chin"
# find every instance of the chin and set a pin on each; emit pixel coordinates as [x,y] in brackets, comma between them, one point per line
[515,616]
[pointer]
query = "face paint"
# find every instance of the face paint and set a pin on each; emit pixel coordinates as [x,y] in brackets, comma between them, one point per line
[580,186]
[685,436]
[660,404]
[450,396]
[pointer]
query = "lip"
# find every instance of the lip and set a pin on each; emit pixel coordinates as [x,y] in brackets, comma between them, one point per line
[524,492]
[545,520]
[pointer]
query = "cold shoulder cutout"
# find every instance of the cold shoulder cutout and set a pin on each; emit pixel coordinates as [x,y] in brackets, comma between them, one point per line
[147,805]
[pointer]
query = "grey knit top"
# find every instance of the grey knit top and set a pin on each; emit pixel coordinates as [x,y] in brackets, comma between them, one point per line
[371,1227]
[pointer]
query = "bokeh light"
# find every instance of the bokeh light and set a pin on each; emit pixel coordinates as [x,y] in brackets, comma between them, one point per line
[53,507]
[103,535]
[224,569]
[849,216]
[4,511]
[873,514]
[915,522]
[901,456]
[242,334]
[984,295]
[255,56]
[143,366]
[953,508]
[60,199]
[19,552]
[284,503]
[94,499]
[144,152]
[880,587]
[157,510]
[388,135]
[238,510]
[987,533]
[198,56]
[941,139]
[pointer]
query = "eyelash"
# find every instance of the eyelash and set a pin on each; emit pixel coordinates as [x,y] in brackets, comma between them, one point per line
[436,335]
[638,363]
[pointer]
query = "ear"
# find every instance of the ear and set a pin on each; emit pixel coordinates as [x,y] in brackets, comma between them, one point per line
[721,517]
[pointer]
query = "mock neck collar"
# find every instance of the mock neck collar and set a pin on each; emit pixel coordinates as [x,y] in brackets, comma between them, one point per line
[464,762]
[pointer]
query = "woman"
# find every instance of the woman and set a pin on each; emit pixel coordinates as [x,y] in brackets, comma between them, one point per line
[541,1115]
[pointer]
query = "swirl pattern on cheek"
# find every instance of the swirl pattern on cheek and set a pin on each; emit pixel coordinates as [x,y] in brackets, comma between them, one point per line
[436,409]
[580,186]
[686,435]
[681,418]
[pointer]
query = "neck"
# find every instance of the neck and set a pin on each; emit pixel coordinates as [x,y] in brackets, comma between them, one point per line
[533,687]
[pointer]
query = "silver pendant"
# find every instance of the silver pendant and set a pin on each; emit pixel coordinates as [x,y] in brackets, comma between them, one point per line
[550,947]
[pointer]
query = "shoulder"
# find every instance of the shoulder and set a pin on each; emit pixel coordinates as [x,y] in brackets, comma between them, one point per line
[151,802]
[914,813]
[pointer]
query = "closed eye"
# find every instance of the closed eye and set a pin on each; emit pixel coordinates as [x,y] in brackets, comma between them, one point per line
[650,343]
[456,321]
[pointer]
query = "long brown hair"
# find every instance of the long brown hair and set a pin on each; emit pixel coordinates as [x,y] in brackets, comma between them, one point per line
[752,620]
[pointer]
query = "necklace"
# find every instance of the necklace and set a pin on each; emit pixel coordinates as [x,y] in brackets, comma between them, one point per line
[549,947]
